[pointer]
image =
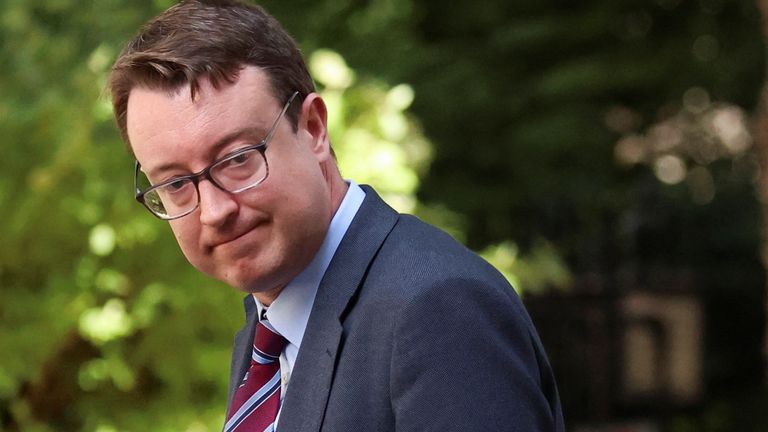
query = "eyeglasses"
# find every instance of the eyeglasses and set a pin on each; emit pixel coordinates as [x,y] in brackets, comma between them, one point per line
[236,172]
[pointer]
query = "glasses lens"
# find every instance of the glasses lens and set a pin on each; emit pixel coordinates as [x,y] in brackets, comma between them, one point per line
[172,199]
[242,170]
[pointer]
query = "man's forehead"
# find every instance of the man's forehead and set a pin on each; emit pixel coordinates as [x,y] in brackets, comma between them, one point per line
[250,79]
[250,90]
[173,120]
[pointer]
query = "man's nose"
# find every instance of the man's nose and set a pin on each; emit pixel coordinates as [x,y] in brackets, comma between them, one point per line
[217,206]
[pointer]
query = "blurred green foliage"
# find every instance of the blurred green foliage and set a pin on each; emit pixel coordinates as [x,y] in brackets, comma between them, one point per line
[496,120]
[106,327]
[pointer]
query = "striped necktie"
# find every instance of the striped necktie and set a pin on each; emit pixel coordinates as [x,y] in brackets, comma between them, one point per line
[257,400]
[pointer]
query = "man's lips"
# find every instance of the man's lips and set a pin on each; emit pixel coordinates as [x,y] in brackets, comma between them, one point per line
[223,240]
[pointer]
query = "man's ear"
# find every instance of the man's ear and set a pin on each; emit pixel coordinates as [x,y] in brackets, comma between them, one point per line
[313,125]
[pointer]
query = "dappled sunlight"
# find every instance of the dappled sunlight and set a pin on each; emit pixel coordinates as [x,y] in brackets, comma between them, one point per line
[103,324]
[539,270]
[102,240]
[682,146]
[376,141]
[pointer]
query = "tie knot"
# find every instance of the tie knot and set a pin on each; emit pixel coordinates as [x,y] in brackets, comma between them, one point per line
[267,341]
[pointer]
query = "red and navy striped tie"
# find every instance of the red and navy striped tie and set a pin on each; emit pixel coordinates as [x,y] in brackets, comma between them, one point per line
[257,400]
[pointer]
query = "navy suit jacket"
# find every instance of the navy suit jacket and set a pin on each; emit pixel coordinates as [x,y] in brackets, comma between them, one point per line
[410,331]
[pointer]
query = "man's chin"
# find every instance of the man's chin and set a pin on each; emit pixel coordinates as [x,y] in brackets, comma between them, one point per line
[265,296]
[252,284]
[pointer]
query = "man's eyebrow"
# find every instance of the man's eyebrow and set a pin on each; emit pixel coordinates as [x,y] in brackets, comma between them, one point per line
[257,134]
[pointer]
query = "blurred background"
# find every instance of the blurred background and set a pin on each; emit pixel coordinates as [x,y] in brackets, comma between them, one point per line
[605,155]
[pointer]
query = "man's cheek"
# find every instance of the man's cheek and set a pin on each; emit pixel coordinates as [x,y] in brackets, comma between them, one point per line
[188,244]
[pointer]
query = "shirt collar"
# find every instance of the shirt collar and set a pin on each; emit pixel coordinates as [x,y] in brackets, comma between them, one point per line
[289,312]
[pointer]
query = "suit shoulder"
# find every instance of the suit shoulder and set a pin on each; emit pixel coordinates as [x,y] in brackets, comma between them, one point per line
[417,256]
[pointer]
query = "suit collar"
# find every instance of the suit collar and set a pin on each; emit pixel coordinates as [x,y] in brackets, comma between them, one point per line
[290,312]
[241,354]
[311,379]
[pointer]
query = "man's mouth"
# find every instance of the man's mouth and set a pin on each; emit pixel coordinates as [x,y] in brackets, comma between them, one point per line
[227,240]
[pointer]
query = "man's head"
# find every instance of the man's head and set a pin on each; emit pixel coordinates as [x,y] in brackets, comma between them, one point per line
[204,82]
[212,39]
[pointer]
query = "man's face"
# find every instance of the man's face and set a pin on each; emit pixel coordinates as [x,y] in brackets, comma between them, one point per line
[259,239]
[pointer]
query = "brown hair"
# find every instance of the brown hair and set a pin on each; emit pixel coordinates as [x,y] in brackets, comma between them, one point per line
[211,39]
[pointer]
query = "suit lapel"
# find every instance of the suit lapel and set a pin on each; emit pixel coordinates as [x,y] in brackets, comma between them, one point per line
[304,405]
[241,355]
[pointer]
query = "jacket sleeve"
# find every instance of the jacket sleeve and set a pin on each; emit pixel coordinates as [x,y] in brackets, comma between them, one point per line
[467,358]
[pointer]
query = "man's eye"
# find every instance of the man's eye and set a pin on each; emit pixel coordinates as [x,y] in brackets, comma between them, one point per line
[177,185]
[240,159]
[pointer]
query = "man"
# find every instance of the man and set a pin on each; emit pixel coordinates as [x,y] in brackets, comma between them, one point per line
[358,318]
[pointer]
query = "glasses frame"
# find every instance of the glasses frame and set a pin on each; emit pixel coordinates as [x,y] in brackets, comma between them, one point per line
[205,173]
